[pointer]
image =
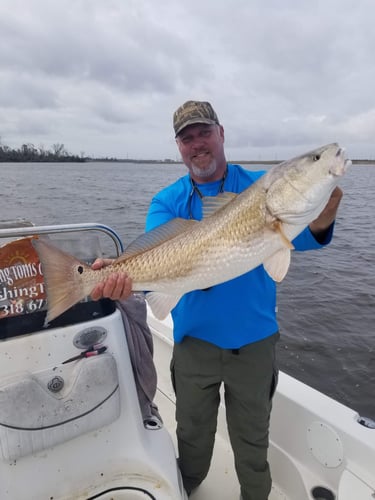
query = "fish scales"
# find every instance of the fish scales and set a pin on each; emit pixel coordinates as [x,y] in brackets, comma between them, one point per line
[209,240]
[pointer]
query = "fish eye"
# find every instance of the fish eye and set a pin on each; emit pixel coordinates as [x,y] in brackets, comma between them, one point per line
[316,158]
[80,269]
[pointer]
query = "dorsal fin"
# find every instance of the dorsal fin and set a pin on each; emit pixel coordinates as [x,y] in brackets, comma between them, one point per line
[211,204]
[157,236]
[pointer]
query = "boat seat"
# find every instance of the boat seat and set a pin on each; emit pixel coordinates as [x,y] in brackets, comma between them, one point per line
[39,410]
[351,487]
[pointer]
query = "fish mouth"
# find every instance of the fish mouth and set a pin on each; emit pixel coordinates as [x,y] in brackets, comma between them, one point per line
[341,164]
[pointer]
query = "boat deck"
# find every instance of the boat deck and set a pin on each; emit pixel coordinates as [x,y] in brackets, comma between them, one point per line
[221,482]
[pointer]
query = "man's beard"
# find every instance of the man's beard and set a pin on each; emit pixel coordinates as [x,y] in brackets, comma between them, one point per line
[206,171]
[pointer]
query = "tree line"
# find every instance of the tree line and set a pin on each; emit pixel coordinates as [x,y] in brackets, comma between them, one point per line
[30,153]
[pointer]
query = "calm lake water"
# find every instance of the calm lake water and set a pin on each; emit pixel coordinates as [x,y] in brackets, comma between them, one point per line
[326,303]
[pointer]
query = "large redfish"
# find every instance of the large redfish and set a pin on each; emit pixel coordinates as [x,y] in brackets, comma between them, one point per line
[237,234]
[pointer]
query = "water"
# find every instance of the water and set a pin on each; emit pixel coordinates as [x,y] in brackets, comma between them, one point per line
[326,302]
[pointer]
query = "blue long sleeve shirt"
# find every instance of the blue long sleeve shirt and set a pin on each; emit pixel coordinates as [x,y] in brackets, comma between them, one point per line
[237,312]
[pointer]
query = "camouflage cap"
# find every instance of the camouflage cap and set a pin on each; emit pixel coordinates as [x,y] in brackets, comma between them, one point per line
[192,112]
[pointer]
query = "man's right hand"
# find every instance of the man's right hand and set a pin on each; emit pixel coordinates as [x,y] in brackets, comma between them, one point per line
[117,286]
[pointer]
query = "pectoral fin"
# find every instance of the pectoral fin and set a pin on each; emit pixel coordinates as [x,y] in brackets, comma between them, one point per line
[161,304]
[277,226]
[278,264]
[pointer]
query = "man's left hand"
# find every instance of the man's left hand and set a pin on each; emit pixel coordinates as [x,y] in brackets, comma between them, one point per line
[328,215]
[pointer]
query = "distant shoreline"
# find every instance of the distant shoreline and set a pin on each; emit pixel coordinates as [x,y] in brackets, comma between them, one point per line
[162,162]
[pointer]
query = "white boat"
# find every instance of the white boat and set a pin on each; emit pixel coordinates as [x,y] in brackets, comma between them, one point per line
[75,430]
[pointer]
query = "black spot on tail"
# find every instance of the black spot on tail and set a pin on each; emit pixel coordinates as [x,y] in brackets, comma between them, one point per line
[80,269]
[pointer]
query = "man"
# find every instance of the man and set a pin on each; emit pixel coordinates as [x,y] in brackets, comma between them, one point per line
[226,334]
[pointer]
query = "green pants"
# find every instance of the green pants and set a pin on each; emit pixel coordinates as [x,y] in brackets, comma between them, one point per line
[249,376]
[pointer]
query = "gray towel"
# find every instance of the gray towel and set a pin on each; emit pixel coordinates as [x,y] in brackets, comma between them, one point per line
[141,350]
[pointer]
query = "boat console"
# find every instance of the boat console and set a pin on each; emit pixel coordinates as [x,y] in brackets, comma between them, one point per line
[71,425]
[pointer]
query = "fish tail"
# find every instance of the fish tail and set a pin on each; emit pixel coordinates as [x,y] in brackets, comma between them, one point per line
[61,273]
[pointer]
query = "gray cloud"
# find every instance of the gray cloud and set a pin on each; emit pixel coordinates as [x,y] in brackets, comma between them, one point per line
[105,77]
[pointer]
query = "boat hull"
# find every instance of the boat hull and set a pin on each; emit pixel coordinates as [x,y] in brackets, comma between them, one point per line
[318,449]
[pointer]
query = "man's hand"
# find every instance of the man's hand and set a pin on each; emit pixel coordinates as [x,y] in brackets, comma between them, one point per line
[117,286]
[328,215]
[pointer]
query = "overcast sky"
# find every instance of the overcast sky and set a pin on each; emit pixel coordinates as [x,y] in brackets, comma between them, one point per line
[103,77]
